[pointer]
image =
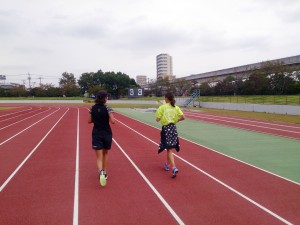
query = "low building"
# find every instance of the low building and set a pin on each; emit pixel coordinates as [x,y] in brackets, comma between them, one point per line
[8,86]
[141,80]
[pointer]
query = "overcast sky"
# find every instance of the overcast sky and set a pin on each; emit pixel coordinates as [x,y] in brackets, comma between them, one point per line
[48,37]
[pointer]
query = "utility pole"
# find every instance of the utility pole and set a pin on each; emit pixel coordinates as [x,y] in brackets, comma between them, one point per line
[29,78]
[24,84]
[40,78]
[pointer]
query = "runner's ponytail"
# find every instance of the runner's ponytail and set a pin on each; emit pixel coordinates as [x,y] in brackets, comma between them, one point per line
[171,98]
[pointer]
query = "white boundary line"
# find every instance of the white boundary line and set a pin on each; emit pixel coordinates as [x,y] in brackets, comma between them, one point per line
[240,119]
[27,128]
[16,112]
[76,190]
[220,182]
[238,160]
[247,124]
[24,119]
[151,186]
[10,118]
[32,151]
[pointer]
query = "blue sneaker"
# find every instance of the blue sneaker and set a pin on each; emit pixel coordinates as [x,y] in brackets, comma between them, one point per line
[166,166]
[174,172]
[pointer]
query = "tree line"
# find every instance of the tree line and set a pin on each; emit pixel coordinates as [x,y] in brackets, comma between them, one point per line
[272,78]
[116,84]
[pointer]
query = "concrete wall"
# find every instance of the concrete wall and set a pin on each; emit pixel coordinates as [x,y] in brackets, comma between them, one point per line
[278,109]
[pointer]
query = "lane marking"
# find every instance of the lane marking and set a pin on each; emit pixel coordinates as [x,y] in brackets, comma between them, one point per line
[76,190]
[23,119]
[30,154]
[177,218]
[241,119]
[207,148]
[16,112]
[246,124]
[28,127]
[31,112]
[219,181]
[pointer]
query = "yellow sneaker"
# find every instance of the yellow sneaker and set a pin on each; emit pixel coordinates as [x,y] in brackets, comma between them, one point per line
[102,179]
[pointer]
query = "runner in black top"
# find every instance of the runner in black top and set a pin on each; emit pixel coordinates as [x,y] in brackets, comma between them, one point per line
[101,116]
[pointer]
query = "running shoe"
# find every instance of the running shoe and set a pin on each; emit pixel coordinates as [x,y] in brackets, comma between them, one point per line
[174,172]
[166,166]
[102,178]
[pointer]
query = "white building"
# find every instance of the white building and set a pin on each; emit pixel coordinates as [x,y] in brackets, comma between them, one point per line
[141,80]
[164,66]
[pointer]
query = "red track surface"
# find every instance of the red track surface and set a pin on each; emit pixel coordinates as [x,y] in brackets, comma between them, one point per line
[210,188]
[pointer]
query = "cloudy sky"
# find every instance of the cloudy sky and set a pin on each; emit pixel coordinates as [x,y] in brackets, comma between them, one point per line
[46,38]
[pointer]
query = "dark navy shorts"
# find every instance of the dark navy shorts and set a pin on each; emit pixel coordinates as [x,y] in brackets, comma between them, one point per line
[100,142]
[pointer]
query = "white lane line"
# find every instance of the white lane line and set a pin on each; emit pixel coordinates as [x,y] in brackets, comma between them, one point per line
[76,190]
[16,112]
[31,112]
[151,186]
[23,119]
[247,124]
[29,155]
[241,119]
[219,181]
[27,128]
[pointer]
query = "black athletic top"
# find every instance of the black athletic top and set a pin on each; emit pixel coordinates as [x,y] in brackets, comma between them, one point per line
[100,116]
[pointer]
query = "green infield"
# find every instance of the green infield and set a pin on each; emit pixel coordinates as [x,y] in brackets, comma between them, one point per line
[275,154]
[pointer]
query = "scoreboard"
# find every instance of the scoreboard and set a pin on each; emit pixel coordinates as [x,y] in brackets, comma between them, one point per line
[135,92]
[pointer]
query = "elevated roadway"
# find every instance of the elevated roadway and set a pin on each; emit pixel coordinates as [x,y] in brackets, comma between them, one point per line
[239,71]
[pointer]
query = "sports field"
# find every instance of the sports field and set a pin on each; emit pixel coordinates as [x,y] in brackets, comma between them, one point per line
[231,170]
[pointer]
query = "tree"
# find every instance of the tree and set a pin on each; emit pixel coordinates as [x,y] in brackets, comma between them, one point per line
[182,86]
[257,84]
[86,82]
[133,83]
[161,86]
[206,89]
[116,83]
[46,90]
[99,78]
[295,89]
[239,86]
[67,79]
[226,87]
[2,92]
[280,77]
[281,83]
[68,85]
[17,92]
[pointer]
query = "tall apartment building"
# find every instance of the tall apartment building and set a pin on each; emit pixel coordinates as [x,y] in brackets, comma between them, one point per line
[141,80]
[164,66]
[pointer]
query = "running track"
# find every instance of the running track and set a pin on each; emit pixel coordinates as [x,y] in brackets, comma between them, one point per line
[48,176]
[268,127]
